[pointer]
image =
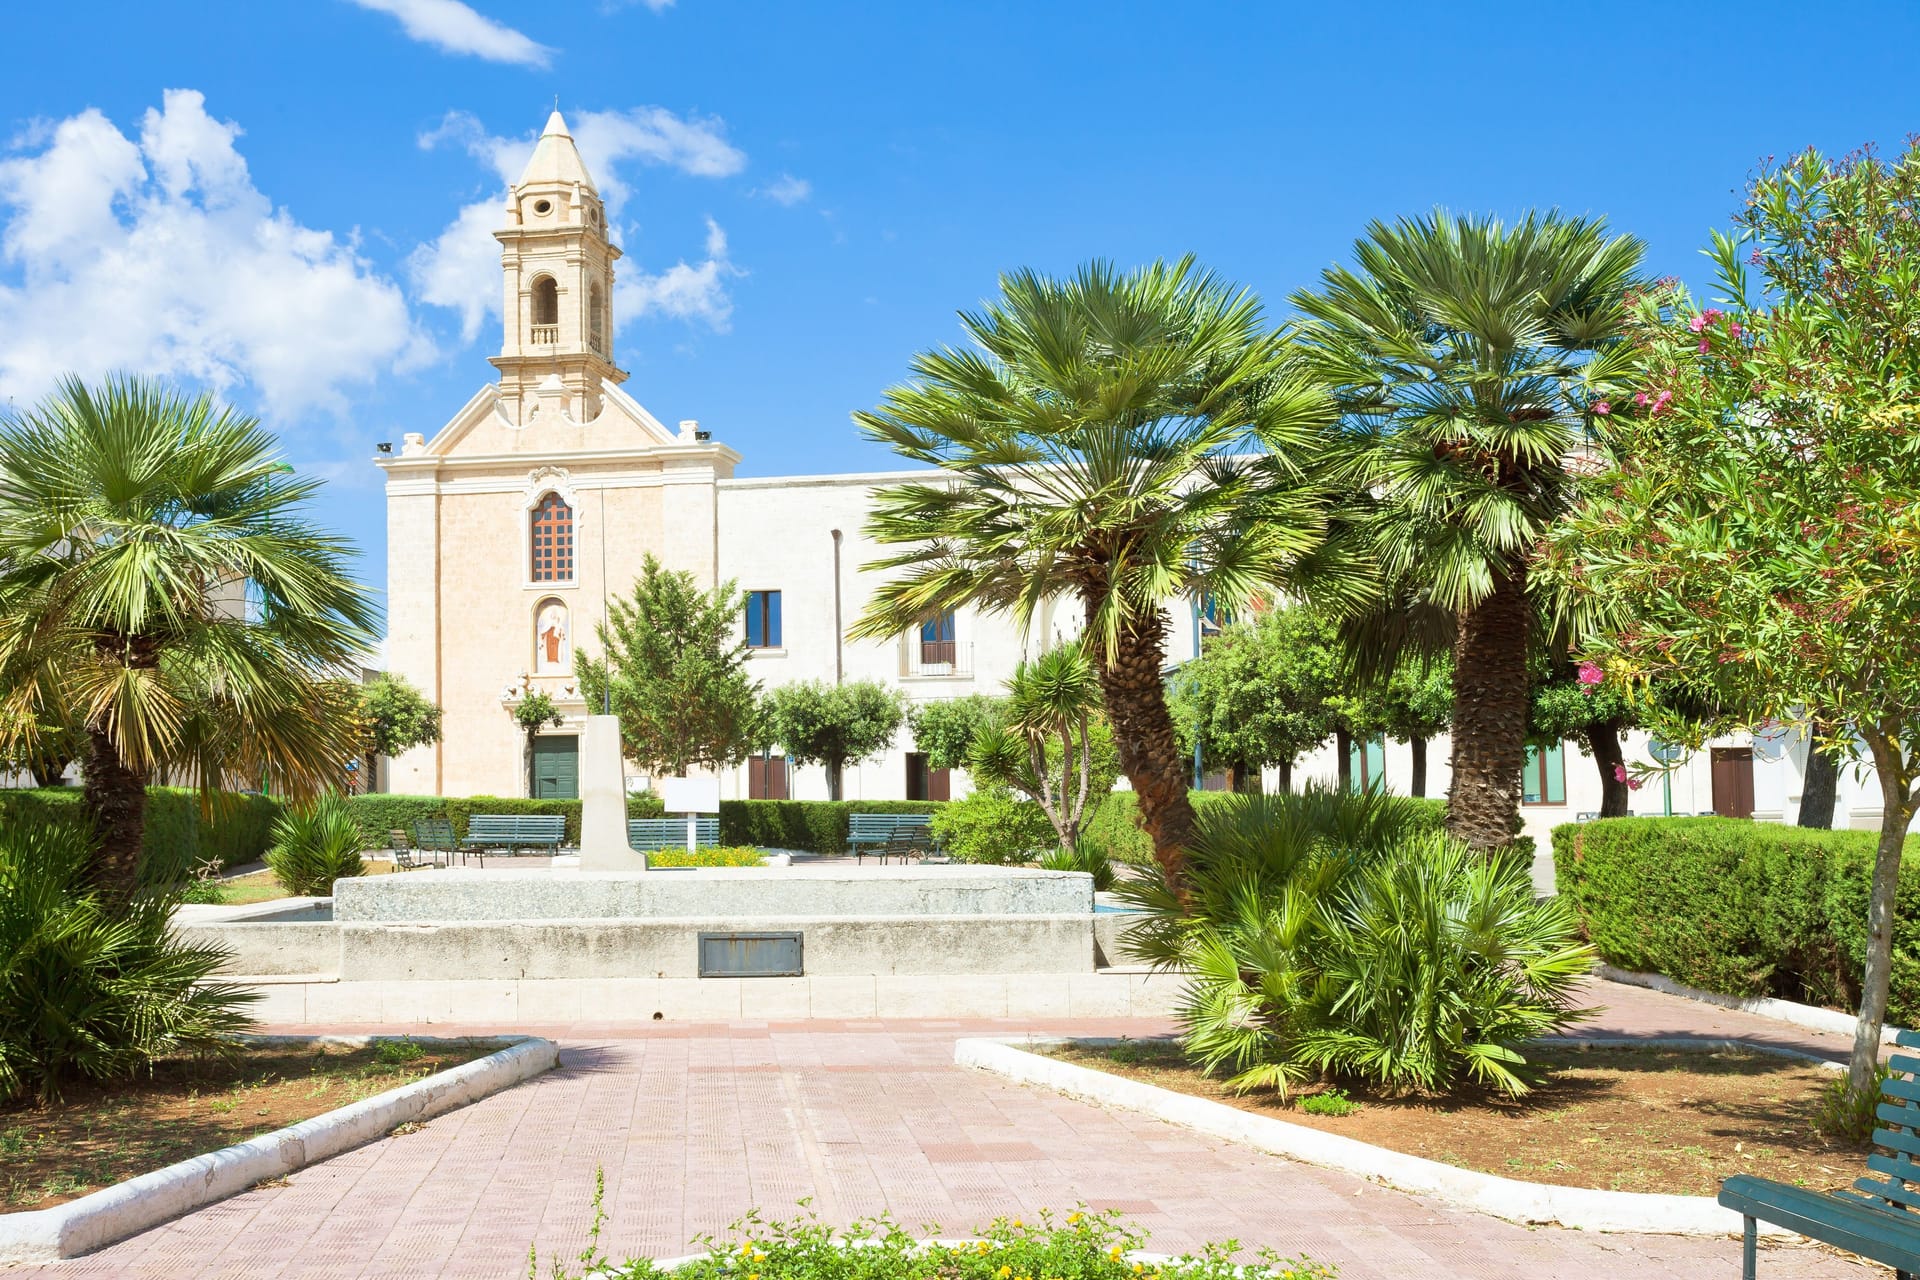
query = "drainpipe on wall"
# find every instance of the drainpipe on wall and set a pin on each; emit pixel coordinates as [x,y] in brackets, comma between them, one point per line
[838,630]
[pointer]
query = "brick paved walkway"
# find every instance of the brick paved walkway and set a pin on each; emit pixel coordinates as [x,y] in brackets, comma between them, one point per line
[696,1124]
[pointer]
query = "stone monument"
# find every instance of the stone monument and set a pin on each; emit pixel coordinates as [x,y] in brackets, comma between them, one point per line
[603,801]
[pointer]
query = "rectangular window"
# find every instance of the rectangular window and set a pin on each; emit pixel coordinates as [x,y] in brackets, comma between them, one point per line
[1545,779]
[1368,763]
[1214,617]
[936,639]
[763,619]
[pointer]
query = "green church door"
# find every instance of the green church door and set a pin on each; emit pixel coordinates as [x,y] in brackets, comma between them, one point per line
[556,767]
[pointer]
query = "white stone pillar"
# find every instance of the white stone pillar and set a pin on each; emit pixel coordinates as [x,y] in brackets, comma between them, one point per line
[603,801]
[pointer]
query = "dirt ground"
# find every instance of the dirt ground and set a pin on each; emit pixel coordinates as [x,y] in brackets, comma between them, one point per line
[103,1134]
[1666,1120]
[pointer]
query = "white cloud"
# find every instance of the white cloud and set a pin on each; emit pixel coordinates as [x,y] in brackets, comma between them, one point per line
[460,268]
[788,191]
[658,6]
[160,257]
[682,291]
[455,27]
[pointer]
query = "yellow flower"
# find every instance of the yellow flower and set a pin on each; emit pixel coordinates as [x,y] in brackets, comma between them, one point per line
[759,1257]
[755,1275]
[1138,1267]
[1072,1218]
[1016,1222]
[1004,1272]
[985,1247]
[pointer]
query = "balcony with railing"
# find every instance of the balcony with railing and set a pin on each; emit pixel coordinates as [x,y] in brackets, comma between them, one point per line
[935,659]
[546,335]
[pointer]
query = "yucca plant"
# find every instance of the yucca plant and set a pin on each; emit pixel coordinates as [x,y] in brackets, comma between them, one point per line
[314,845]
[93,986]
[1094,862]
[1330,934]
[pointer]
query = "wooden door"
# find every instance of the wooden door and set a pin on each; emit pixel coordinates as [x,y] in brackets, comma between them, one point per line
[556,767]
[1733,782]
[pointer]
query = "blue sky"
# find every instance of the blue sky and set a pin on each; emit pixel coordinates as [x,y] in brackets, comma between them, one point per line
[270,197]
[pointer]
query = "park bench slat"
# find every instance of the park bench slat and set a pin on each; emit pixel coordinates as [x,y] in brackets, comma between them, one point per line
[1897,1141]
[649,834]
[1901,1167]
[1898,1113]
[1907,1039]
[1908,1089]
[879,830]
[1902,1063]
[1896,1191]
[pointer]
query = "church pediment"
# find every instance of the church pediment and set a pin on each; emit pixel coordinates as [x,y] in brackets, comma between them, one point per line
[484,427]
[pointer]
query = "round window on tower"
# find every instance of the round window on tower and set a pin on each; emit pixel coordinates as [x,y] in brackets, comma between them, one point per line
[543,206]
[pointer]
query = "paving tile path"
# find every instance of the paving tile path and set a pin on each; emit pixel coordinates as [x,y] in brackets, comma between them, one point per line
[694,1125]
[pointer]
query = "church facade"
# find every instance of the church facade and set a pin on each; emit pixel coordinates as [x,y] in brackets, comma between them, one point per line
[511,527]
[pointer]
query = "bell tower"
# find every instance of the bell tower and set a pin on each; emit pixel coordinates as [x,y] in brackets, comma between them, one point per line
[557,348]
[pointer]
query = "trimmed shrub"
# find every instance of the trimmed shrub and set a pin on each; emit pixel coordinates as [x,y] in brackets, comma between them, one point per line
[177,839]
[379,814]
[1115,828]
[810,826]
[994,825]
[1738,907]
[315,845]
[90,989]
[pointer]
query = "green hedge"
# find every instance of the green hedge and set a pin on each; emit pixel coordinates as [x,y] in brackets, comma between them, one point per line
[378,814]
[1742,908]
[177,837]
[810,826]
[1115,828]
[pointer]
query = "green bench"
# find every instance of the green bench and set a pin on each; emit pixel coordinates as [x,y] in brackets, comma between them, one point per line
[435,835]
[889,834]
[1876,1219]
[648,834]
[506,834]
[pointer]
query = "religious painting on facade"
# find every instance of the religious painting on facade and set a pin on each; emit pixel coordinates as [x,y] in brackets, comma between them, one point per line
[552,639]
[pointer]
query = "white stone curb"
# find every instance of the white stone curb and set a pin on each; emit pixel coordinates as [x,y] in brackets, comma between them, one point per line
[116,1212]
[1526,1203]
[1812,1017]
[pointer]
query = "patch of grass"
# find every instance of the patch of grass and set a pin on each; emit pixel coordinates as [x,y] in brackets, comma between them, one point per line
[1847,1116]
[1331,1102]
[396,1052]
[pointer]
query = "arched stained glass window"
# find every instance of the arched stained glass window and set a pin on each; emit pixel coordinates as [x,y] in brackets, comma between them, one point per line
[553,540]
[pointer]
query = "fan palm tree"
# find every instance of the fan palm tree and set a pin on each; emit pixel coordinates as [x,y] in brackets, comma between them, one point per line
[1471,361]
[1101,441]
[160,585]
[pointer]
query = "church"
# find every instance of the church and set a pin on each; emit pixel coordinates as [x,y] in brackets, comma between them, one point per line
[510,529]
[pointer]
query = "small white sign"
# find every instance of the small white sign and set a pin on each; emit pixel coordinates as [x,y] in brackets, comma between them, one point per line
[690,795]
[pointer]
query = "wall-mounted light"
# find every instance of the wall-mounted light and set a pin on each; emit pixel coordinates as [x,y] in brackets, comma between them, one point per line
[703,435]
[385,446]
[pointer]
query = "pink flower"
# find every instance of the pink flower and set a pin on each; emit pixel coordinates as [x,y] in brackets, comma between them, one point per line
[1756,258]
[1591,674]
[1710,315]
[1633,784]
[1640,398]
[1619,773]
[1733,327]
[1601,408]
[1697,323]
[1703,346]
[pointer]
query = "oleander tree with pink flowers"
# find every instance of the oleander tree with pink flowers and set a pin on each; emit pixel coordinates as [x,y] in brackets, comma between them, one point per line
[1756,517]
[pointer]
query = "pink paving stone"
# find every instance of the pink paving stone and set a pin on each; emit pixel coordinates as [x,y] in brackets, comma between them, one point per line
[694,1125]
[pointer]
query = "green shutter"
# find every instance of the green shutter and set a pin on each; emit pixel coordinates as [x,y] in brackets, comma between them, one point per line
[556,767]
[1556,775]
[1545,779]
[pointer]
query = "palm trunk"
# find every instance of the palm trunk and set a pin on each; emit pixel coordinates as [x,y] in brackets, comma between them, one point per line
[1820,789]
[1603,740]
[1490,715]
[1136,700]
[116,797]
[1343,753]
[1417,785]
[1896,813]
